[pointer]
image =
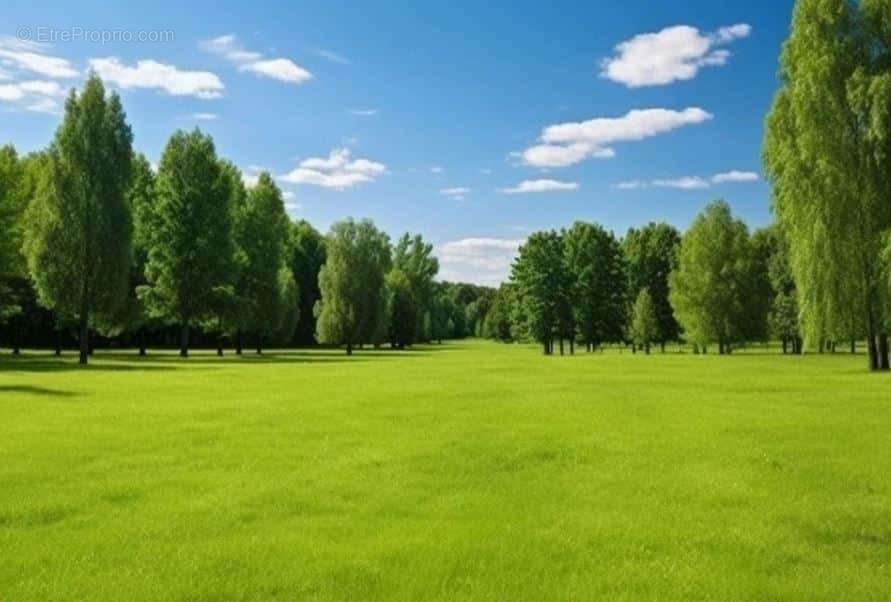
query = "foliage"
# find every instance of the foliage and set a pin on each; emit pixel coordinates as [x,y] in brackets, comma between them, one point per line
[651,256]
[305,257]
[79,228]
[644,321]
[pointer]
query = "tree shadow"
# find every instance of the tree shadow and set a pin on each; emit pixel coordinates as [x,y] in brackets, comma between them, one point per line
[37,363]
[32,390]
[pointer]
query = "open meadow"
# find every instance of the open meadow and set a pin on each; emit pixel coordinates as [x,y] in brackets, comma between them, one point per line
[467,471]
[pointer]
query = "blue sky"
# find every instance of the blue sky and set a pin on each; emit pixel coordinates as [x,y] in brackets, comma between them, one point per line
[429,117]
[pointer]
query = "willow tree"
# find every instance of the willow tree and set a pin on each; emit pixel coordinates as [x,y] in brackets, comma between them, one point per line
[79,226]
[190,256]
[352,308]
[826,152]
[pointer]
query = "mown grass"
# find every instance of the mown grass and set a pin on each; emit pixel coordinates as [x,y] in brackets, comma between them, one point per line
[471,471]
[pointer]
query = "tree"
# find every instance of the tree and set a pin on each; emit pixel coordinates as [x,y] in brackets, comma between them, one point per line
[498,319]
[707,291]
[543,283]
[79,225]
[11,209]
[353,302]
[651,255]
[414,258]
[288,306]
[826,153]
[402,309]
[644,321]
[190,259]
[306,256]
[260,230]
[597,268]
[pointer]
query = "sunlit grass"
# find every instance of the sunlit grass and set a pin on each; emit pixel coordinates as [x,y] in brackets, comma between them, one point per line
[470,471]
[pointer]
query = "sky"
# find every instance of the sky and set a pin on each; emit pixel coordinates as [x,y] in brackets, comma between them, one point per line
[473,124]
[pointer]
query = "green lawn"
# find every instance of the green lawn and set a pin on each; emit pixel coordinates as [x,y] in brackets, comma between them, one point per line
[471,471]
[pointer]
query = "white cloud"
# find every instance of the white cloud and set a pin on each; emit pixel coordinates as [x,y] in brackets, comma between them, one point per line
[282,69]
[30,56]
[437,169]
[251,175]
[685,183]
[735,176]
[150,74]
[205,116]
[570,143]
[538,186]
[673,54]
[457,193]
[363,112]
[692,182]
[631,185]
[333,56]
[337,171]
[483,261]
[39,96]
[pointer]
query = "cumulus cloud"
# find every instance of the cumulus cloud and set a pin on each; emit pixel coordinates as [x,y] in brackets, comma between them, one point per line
[484,261]
[673,54]
[30,56]
[538,186]
[282,69]
[338,171]
[457,193]
[150,74]
[570,143]
[735,176]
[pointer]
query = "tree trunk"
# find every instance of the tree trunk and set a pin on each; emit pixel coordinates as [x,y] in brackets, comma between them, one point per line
[884,363]
[220,344]
[662,346]
[58,342]
[349,349]
[571,346]
[853,346]
[84,340]
[785,345]
[647,348]
[184,340]
[238,343]
[142,350]
[561,345]
[259,344]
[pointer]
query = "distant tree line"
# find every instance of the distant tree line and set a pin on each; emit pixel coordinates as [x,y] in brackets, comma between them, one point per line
[95,243]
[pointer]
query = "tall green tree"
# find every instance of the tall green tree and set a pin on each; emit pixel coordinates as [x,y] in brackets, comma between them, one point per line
[414,258]
[190,260]
[644,321]
[306,256]
[79,226]
[708,288]
[597,268]
[651,255]
[11,210]
[543,282]
[402,309]
[826,153]
[261,228]
[352,308]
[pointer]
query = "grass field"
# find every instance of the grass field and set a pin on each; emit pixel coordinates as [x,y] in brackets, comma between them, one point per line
[471,471]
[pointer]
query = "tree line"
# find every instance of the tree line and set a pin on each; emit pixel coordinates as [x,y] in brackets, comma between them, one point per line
[95,242]
[715,285]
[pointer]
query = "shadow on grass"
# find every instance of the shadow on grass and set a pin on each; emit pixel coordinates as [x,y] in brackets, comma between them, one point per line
[32,390]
